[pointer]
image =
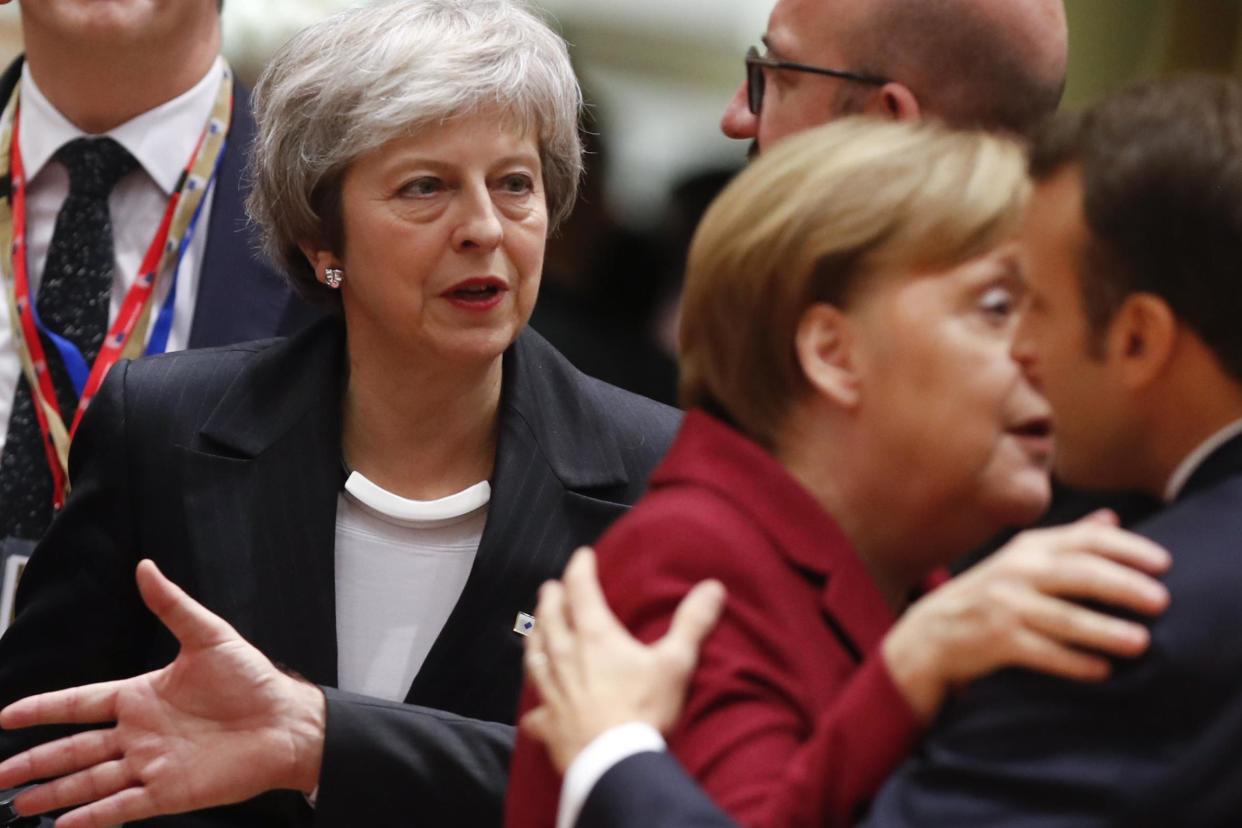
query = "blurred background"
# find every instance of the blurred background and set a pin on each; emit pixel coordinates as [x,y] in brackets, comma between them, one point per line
[657,74]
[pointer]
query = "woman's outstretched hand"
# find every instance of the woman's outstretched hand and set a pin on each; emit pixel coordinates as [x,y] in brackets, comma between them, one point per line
[218,725]
[1019,608]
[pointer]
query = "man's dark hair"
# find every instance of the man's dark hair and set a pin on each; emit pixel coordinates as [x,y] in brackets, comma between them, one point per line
[1161,166]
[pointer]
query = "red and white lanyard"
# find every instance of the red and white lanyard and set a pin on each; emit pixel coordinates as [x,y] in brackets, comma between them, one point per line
[127,335]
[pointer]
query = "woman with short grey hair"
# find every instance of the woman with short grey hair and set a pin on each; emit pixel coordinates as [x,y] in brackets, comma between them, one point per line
[373,503]
[414,65]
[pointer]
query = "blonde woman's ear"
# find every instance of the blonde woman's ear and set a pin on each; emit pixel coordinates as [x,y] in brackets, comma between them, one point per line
[824,346]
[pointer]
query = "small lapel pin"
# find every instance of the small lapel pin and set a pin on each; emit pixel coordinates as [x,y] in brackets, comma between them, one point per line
[524,624]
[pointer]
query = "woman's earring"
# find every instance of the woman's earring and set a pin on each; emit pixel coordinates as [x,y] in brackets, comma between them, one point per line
[332,276]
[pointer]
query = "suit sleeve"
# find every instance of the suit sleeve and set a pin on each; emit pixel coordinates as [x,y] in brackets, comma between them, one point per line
[746,734]
[1021,750]
[1155,745]
[385,761]
[650,790]
[79,616]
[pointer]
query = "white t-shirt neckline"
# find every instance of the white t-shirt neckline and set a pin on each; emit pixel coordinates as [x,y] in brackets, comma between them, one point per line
[386,504]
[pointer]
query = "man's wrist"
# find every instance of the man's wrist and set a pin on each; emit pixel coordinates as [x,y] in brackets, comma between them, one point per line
[306,729]
[913,667]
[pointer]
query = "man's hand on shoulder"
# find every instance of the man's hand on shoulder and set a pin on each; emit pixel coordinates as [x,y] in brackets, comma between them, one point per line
[592,675]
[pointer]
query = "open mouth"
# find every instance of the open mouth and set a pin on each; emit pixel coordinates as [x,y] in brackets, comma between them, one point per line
[476,292]
[1035,438]
[1039,427]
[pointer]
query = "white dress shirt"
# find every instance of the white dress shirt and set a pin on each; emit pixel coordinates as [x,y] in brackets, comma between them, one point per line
[1192,461]
[162,140]
[401,565]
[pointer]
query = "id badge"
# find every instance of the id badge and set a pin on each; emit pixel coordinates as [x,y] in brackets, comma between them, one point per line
[14,553]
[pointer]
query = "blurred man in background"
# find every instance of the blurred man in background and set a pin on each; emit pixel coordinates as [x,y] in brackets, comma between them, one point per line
[128,118]
[971,63]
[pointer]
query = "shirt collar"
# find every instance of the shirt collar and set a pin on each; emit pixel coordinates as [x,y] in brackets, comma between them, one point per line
[162,138]
[1187,467]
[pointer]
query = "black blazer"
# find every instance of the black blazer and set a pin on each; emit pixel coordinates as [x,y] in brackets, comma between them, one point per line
[1158,744]
[240,295]
[224,465]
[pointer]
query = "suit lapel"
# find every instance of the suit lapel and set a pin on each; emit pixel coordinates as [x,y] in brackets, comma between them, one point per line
[262,482]
[554,468]
[239,297]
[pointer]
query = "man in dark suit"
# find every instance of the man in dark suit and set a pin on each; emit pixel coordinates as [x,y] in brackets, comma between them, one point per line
[1134,239]
[122,92]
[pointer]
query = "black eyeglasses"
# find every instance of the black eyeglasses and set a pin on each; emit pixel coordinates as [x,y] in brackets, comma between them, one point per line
[756,63]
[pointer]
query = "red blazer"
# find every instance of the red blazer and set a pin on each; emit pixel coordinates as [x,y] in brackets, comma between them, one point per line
[789,721]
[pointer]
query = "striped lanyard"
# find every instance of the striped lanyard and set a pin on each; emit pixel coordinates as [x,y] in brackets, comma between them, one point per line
[127,335]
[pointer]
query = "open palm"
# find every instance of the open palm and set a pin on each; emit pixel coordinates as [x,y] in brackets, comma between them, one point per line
[218,725]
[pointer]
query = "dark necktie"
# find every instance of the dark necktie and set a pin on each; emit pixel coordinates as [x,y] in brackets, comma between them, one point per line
[73,299]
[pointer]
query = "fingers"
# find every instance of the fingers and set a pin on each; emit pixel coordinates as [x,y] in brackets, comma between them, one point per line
[539,670]
[535,723]
[1125,547]
[587,604]
[543,726]
[63,756]
[91,704]
[1091,577]
[1088,560]
[1106,517]
[1091,535]
[192,623]
[694,619]
[98,782]
[1037,652]
[1070,624]
[129,805]
[555,635]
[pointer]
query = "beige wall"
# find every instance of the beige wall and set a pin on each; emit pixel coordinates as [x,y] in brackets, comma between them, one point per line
[1115,41]
[10,34]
